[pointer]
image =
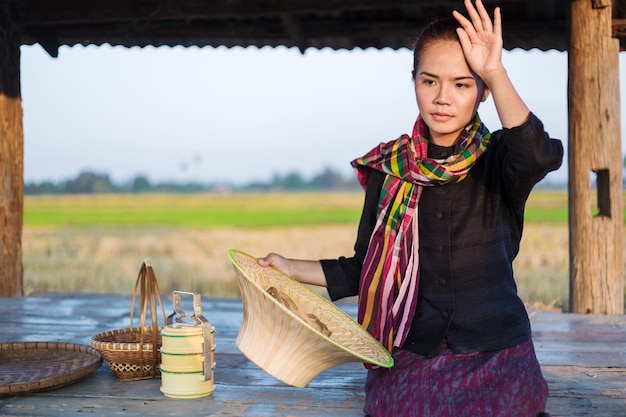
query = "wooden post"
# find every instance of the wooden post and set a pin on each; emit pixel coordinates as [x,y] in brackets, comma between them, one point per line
[595,161]
[11,153]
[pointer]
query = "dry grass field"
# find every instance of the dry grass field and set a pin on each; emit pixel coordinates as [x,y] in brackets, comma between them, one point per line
[106,259]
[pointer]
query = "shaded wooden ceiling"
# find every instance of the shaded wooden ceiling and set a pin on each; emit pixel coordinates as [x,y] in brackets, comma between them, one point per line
[338,24]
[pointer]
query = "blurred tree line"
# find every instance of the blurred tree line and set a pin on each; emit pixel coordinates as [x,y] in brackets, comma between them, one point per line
[88,182]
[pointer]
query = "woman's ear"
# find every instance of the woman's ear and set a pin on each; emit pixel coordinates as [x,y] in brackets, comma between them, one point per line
[486,93]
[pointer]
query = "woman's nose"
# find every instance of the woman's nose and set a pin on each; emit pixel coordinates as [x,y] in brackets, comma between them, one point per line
[442,96]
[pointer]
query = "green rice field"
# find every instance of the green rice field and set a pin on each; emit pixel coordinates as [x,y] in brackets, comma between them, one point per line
[230,210]
[193,210]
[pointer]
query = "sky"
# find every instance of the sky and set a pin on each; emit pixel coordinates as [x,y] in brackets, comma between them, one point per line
[220,115]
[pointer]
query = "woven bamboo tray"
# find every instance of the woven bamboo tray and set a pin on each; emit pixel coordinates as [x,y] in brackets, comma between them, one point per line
[293,333]
[38,366]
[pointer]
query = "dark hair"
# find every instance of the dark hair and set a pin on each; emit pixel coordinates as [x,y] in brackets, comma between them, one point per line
[438,30]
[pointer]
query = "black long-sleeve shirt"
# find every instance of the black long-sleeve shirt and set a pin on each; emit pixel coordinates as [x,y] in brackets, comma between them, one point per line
[469,235]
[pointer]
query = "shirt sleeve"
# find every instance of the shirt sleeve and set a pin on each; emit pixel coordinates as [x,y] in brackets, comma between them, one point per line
[343,274]
[527,154]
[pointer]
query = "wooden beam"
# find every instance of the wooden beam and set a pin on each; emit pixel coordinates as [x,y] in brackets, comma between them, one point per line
[534,23]
[11,153]
[78,11]
[595,210]
[316,33]
[98,11]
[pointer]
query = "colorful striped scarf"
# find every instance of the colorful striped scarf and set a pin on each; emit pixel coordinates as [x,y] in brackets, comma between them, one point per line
[390,275]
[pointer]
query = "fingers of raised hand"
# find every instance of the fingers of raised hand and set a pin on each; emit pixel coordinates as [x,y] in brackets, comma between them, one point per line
[480,17]
[479,20]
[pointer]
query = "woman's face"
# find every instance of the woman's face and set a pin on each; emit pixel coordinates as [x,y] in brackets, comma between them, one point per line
[447,91]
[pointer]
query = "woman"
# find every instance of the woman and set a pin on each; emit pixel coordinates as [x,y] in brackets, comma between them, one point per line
[441,225]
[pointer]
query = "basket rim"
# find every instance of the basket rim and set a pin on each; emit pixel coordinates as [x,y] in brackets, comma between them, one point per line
[315,296]
[97,343]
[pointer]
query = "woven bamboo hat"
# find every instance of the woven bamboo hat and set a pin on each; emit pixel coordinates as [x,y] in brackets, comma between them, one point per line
[291,332]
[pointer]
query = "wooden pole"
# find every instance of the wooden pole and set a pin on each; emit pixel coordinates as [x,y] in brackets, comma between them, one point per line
[595,162]
[11,154]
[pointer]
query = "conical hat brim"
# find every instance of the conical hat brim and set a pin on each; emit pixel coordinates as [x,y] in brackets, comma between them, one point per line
[300,334]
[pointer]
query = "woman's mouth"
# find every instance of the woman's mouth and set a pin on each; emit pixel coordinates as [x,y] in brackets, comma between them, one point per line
[441,117]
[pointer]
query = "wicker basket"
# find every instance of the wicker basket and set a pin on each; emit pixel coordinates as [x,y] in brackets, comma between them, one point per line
[133,353]
[291,332]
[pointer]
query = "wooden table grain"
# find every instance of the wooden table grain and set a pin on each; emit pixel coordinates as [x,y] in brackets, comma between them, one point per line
[583,358]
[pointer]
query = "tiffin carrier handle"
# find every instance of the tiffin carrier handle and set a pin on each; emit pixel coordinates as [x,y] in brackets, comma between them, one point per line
[198,319]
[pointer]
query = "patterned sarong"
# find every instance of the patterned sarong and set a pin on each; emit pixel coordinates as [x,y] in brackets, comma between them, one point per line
[504,383]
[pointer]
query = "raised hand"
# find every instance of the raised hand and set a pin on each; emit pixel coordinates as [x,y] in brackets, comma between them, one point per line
[481,39]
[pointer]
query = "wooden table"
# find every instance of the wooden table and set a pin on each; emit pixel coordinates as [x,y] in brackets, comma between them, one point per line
[583,358]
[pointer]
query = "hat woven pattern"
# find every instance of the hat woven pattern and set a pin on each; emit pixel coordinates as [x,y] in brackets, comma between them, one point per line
[293,333]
